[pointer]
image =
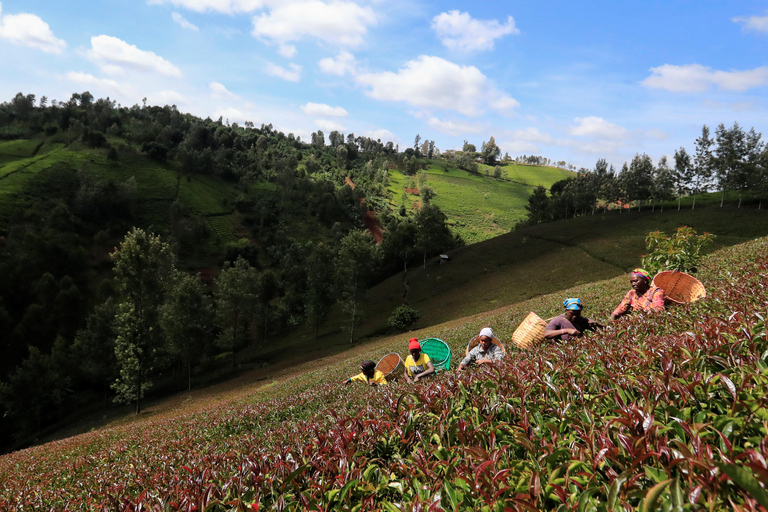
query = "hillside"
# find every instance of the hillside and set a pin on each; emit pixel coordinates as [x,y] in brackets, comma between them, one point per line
[525,264]
[479,206]
[660,410]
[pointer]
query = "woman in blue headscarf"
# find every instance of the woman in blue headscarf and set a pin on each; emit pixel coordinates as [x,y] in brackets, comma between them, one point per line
[570,324]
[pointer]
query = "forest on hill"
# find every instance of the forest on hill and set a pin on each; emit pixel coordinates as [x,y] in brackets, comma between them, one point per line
[275,227]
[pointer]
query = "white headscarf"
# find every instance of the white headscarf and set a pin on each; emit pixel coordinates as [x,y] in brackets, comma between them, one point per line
[486,331]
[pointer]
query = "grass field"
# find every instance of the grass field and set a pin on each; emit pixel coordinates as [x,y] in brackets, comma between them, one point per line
[479,207]
[206,195]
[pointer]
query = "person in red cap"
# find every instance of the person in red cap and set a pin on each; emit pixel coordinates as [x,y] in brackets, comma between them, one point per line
[369,375]
[417,364]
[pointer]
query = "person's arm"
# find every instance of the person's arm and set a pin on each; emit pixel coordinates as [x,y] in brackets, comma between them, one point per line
[378,379]
[429,371]
[467,360]
[553,330]
[491,356]
[623,307]
[657,300]
[407,371]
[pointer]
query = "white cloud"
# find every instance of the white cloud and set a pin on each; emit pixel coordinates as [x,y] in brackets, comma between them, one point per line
[453,127]
[29,30]
[323,110]
[329,126]
[657,134]
[290,75]
[435,82]
[91,81]
[166,98]
[693,78]
[598,128]
[181,20]
[519,146]
[753,23]
[459,31]
[225,6]
[112,55]
[337,22]
[219,91]
[531,135]
[342,64]
[287,50]
[381,134]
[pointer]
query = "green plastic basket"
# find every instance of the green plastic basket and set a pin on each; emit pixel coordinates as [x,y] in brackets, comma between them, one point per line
[438,351]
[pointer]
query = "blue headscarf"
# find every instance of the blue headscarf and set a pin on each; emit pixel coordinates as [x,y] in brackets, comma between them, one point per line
[573,304]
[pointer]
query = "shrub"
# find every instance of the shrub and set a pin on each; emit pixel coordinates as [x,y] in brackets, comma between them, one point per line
[403,317]
[681,251]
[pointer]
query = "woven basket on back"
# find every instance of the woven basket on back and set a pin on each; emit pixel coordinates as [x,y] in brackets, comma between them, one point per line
[476,341]
[391,366]
[530,331]
[679,287]
[438,351]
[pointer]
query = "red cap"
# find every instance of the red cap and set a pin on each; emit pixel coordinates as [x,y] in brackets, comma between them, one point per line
[413,344]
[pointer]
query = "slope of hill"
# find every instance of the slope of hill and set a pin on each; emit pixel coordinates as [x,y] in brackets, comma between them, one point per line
[479,206]
[527,263]
[658,409]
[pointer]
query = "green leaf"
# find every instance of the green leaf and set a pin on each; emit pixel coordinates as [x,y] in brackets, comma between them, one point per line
[390,507]
[746,480]
[652,498]
[613,492]
[451,495]
[677,496]
[584,499]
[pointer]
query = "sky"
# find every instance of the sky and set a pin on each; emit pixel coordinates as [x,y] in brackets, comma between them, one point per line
[570,81]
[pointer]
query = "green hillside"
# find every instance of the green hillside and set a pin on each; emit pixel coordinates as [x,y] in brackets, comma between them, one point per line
[479,206]
[527,263]
[656,412]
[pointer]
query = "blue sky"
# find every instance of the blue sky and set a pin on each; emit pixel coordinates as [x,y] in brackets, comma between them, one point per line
[573,81]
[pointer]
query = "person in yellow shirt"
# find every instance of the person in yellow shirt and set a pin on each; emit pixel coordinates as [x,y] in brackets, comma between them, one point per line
[369,375]
[417,364]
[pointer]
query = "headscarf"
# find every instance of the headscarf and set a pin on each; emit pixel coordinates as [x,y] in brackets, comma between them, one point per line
[642,273]
[367,366]
[486,331]
[573,304]
[413,344]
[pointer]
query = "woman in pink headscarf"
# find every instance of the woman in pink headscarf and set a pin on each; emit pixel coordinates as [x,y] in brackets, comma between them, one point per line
[642,297]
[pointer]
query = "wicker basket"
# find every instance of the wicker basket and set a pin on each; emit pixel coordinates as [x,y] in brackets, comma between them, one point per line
[679,287]
[391,366]
[530,330]
[476,341]
[438,351]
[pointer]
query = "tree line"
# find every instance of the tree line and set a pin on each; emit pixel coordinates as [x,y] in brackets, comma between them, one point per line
[733,160]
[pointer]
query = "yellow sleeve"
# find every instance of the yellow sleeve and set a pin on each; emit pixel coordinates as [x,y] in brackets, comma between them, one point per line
[408,363]
[426,358]
[379,378]
[360,376]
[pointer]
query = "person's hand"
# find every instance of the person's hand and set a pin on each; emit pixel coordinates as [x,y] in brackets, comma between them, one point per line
[372,383]
[416,378]
[462,367]
[572,332]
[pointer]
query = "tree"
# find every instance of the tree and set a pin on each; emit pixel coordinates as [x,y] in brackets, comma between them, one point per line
[320,280]
[663,187]
[490,152]
[143,265]
[416,144]
[433,234]
[702,163]
[683,174]
[187,321]
[237,302]
[538,206]
[729,156]
[354,263]
[94,346]
[469,148]
[637,180]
